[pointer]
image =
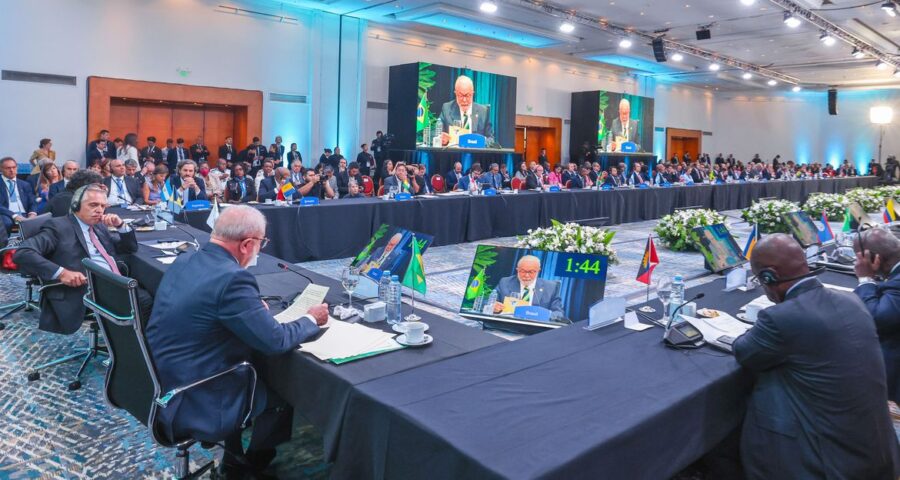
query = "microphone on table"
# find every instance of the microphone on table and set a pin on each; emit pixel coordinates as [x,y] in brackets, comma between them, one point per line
[669,324]
[683,336]
[193,241]
[285,267]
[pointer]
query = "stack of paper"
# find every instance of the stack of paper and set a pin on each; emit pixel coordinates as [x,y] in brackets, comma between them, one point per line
[343,342]
[764,301]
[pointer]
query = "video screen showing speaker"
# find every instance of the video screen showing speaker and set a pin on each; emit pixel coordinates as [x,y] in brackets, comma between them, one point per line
[803,228]
[718,247]
[610,122]
[455,107]
[532,287]
[389,249]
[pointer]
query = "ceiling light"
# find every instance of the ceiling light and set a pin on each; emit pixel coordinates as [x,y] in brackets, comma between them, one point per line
[889,8]
[488,7]
[625,43]
[857,53]
[897,73]
[881,65]
[790,20]
[748,2]
[881,115]
[714,67]
[747,76]
[677,57]
[772,83]
[567,27]
[827,39]
[796,88]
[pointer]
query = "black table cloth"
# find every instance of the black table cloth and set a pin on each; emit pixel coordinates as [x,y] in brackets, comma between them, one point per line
[341,228]
[568,404]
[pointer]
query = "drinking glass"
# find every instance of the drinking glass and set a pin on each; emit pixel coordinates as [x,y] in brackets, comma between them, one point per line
[664,293]
[350,279]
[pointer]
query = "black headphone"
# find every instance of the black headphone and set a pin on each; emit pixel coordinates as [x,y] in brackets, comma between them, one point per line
[79,196]
[767,276]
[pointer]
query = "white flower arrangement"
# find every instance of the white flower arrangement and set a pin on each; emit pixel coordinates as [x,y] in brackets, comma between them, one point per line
[769,215]
[889,191]
[834,204]
[674,230]
[869,198]
[572,238]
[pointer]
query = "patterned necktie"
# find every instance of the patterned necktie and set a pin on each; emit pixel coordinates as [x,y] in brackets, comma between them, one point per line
[526,294]
[11,188]
[99,246]
[121,188]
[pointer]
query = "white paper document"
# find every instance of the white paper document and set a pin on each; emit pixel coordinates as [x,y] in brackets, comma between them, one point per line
[166,260]
[632,322]
[165,245]
[343,340]
[722,326]
[312,295]
[764,302]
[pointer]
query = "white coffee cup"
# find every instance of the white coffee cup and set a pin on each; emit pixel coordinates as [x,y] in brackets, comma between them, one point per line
[752,311]
[415,332]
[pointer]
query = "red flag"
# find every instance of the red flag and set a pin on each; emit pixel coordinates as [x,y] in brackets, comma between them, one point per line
[648,263]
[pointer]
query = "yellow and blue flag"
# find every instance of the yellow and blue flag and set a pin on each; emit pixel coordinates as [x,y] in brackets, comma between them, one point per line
[751,242]
[288,190]
[476,286]
[890,213]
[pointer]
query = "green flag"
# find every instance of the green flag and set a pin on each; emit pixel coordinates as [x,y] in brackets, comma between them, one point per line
[415,273]
[475,287]
[848,220]
[420,113]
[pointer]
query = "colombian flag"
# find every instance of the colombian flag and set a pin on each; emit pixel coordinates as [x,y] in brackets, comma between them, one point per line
[751,242]
[476,286]
[415,273]
[287,190]
[825,233]
[890,214]
[649,261]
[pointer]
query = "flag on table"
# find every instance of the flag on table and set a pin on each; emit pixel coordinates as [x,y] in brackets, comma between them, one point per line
[420,113]
[415,273]
[213,214]
[476,286]
[848,222]
[649,261]
[825,233]
[890,214]
[288,189]
[751,242]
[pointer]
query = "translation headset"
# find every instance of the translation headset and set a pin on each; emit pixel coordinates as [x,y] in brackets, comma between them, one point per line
[79,196]
[767,276]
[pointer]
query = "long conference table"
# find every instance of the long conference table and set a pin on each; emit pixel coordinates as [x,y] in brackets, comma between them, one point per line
[567,403]
[341,228]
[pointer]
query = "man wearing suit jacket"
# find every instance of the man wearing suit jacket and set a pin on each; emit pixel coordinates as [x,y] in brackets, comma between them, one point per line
[344,179]
[69,169]
[177,155]
[492,178]
[97,153]
[819,407]
[227,151]
[614,179]
[623,127]
[878,255]
[16,196]
[531,289]
[638,176]
[269,187]
[401,181]
[152,151]
[453,176]
[56,251]
[534,179]
[474,176]
[197,332]
[121,187]
[104,144]
[186,184]
[199,151]
[463,111]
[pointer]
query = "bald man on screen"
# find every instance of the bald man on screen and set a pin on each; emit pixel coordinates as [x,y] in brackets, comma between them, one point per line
[622,129]
[464,112]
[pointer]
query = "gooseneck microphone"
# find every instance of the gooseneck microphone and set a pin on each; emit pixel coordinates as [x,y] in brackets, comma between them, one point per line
[285,267]
[678,308]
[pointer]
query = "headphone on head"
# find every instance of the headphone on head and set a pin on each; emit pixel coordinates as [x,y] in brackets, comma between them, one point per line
[79,196]
[767,276]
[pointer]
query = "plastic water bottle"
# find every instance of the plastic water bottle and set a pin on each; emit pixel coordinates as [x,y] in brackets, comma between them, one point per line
[488,308]
[426,134]
[677,296]
[438,127]
[478,304]
[394,311]
[383,284]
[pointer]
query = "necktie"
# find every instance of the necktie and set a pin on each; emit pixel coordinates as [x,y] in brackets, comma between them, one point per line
[180,155]
[526,294]
[11,188]
[243,189]
[99,246]
[121,188]
[465,120]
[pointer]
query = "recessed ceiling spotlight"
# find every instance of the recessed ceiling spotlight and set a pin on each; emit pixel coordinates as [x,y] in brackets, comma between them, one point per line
[857,53]
[827,39]
[567,27]
[791,21]
[488,7]
[677,57]
[714,67]
[748,2]
[881,65]
[747,76]
[772,83]
[796,88]
[889,8]
[625,43]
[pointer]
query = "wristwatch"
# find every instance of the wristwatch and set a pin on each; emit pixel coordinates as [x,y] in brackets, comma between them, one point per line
[863,280]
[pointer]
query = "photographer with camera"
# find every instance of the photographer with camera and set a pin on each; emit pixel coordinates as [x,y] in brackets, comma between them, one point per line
[316,186]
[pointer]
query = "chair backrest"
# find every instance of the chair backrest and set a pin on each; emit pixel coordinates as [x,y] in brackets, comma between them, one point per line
[568,184]
[516,183]
[368,185]
[33,225]
[381,190]
[131,381]
[437,183]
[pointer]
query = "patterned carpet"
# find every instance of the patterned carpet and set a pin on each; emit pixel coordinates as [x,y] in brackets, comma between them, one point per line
[49,432]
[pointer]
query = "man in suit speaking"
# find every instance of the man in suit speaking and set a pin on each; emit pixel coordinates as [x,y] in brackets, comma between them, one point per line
[623,129]
[469,115]
[531,289]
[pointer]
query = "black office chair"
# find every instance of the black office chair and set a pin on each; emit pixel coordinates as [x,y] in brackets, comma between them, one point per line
[27,228]
[131,381]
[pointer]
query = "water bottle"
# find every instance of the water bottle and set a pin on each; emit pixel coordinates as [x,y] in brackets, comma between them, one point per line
[394,311]
[426,134]
[478,304]
[438,127]
[383,284]
[677,296]
[488,308]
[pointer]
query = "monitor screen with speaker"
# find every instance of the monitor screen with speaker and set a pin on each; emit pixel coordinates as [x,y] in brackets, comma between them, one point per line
[803,228]
[389,249]
[718,247]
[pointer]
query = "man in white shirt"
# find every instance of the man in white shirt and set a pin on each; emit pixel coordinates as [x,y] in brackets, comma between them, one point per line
[16,196]
[122,188]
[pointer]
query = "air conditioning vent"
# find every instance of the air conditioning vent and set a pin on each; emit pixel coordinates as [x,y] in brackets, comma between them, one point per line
[38,77]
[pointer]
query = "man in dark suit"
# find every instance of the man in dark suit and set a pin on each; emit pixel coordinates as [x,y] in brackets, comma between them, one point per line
[453,176]
[104,144]
[465,183]
[270,187]
[819,406]
[365,160]
[534,179]
[16,196]
[543,160]
[206,329]
[531,289]
[199,151]
[335,159]
[421,178]
[59,205]
[344,178]
[69,169]
[121,187]
[56,251]
[638,176]
[279,151]
[151,151]
[187,185]
[492,178]
[97,154]
[401,181]
[177,155]
[622,129]
[465,112]
[227,151]
[878,256]
[614,179]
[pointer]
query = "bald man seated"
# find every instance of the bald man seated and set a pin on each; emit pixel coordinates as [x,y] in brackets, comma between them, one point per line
[199,329]
[622,129]
[531,289]
[464,112]
[819,406]
[878,270]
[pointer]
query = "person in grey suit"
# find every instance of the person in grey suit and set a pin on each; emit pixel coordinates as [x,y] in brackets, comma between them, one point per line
[819,407]
[540,292]
[623,127]
[470,115]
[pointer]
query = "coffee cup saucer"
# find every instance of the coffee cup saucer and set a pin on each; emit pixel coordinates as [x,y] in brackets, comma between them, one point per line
[743,317]
[401,327]
[401,339]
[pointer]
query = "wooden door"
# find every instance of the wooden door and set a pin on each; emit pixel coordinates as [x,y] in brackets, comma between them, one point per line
[520,140]
[218,123]
[156,121]
[123,119]
[187,123]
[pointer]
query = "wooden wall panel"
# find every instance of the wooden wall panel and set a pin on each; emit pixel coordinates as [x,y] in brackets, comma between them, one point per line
[187,123]
[543,132]
[679,140]
[123,119]
[155,120]
[218,123]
